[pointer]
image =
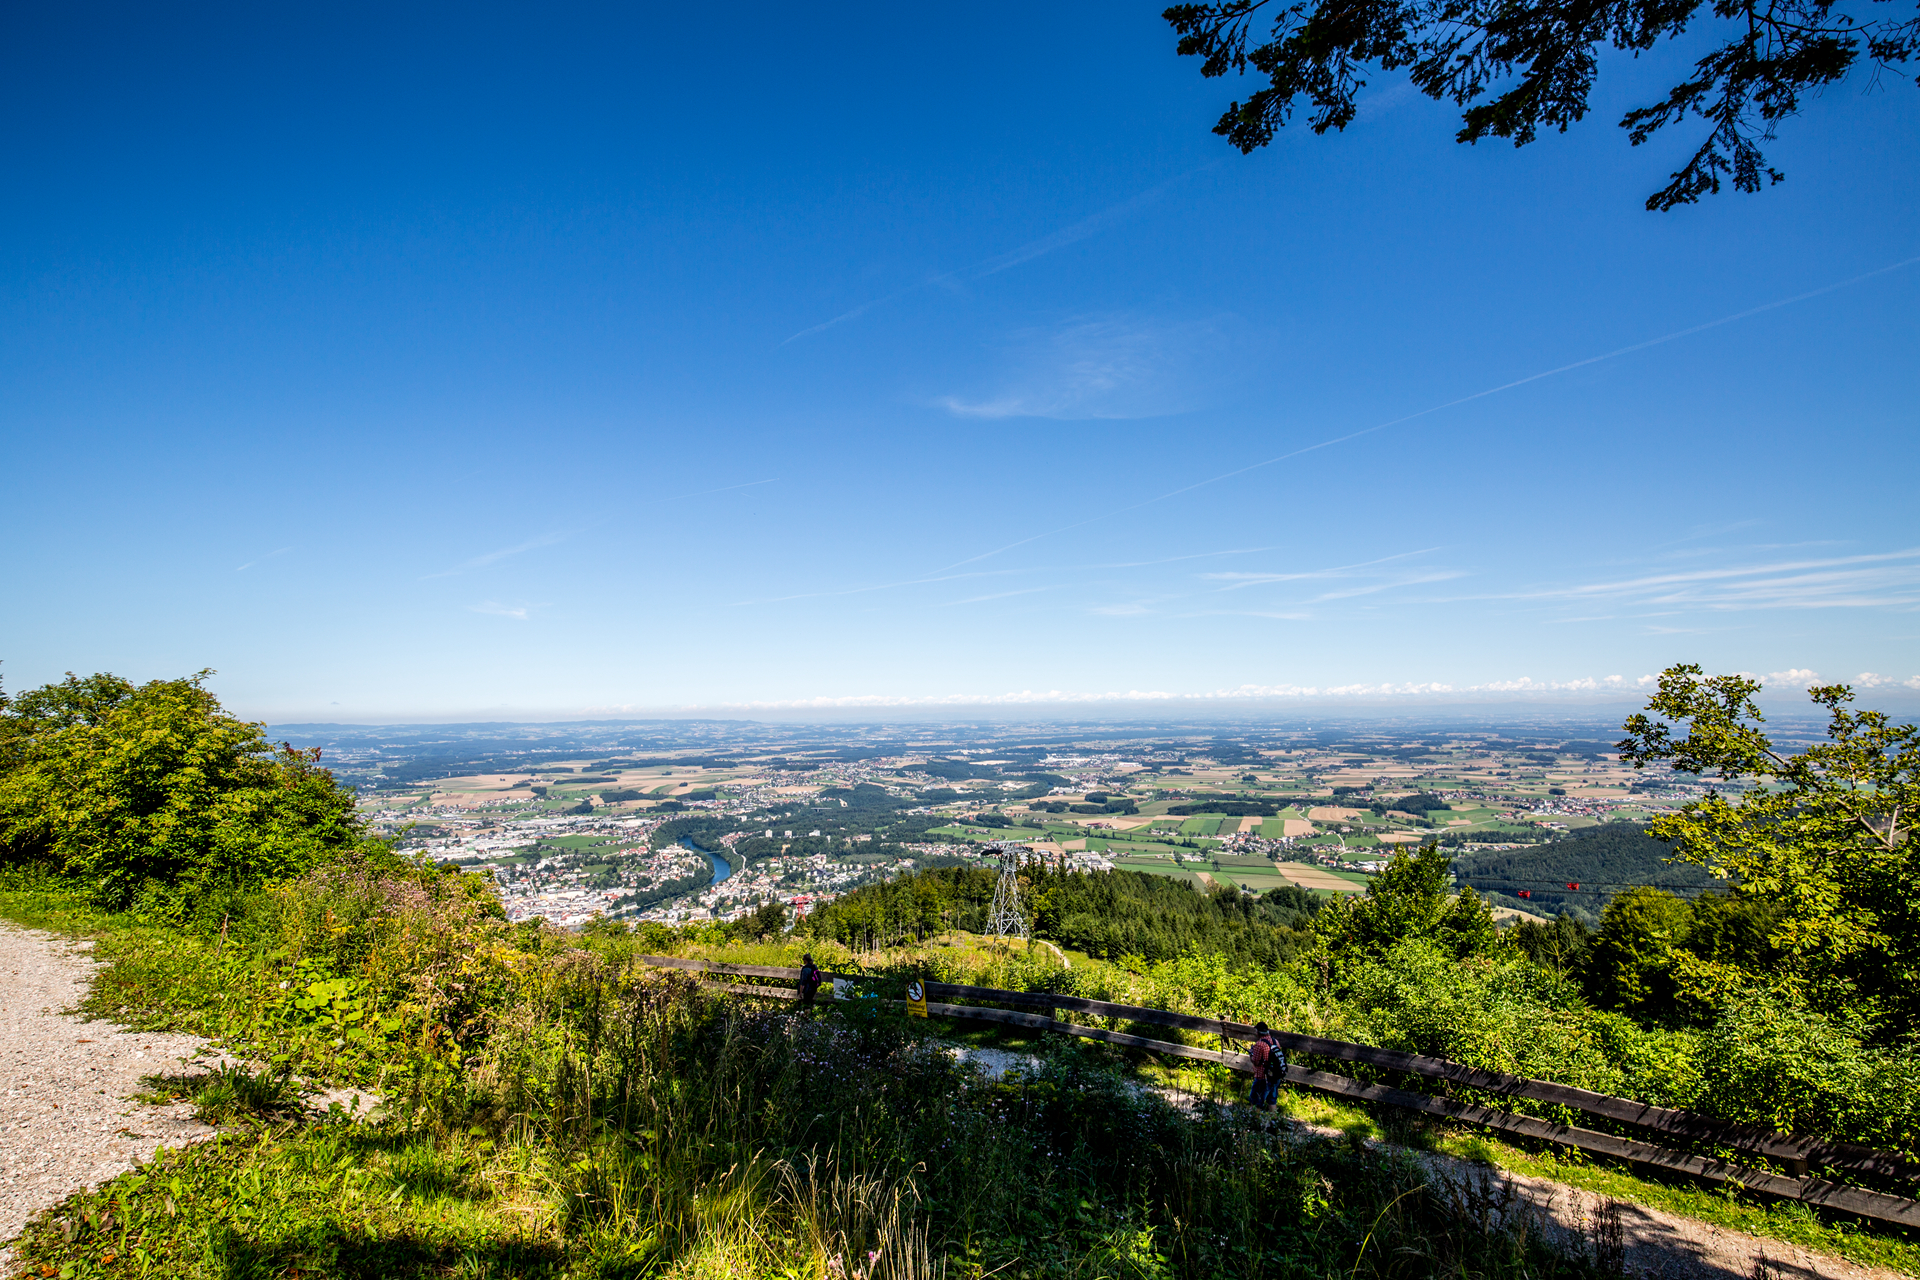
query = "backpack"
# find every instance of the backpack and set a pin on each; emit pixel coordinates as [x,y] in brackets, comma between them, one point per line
[810,974]
[1276,1063]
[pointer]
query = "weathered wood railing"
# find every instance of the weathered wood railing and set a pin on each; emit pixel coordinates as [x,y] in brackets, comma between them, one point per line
[1797,1153]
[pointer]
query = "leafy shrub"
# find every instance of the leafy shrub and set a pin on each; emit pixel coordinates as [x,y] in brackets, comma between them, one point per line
[154,794]
[1769,1060]
[230,1091]
[1658,955]
[1412,897]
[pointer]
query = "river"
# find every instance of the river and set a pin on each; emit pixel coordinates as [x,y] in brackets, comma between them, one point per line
[720,868]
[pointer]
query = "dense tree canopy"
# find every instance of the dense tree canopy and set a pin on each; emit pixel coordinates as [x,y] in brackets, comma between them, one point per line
[1111,914]
[1411,898]
[153,790]
[1517,66]
[1602,860]
[1823,836]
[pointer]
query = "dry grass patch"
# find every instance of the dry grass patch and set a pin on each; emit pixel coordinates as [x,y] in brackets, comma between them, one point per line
[1309,877]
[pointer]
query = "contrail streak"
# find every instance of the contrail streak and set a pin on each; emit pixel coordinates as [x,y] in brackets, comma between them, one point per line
[1089,225]
[725,488]
[1468,399]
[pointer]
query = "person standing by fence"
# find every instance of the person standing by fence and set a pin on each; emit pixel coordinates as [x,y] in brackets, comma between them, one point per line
[810,977]
[1269,1067]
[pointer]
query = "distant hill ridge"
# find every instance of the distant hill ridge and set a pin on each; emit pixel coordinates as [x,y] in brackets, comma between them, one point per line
[1602,860]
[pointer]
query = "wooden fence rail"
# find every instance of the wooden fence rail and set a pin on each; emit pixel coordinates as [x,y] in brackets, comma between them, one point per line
[1797,1152]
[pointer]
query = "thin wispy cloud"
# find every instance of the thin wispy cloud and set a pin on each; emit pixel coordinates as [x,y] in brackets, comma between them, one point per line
[559,536]
[1709,531]
[1364,578]
[1879,580]
[518,612]
[861,310]
[261,559]
[1193,555]
[725,488]
[1104,366]
[1520,686]
[902,583]
[1092,224]
[1238,580]
[1330,442]
[494,557]
[998,595]
[877,586]
[1395,582]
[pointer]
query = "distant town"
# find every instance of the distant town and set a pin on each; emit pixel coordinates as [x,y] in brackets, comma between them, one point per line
[709,823]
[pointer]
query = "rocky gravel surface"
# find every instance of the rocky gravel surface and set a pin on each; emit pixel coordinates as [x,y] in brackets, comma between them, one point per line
[66,1119]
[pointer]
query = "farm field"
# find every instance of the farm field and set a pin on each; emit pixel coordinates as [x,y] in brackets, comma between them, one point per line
[1132,848]
[1312,877]
[1260,882]
[923,790]
[1191,876]
[982,835]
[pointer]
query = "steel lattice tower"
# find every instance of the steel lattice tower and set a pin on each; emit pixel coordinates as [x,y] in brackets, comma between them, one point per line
[1007,920]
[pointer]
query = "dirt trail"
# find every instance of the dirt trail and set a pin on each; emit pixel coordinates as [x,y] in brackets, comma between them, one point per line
[1654,1243]
[1651,1241]
[65,1119]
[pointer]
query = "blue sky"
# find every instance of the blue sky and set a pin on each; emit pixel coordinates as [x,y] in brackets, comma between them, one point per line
[562,360]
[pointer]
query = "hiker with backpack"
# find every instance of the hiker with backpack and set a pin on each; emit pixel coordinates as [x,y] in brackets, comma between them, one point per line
[1269,1067]
[810,979]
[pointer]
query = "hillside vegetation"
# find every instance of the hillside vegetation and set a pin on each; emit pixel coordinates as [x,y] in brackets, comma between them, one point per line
[1114,915]
[549,1106]
[1602,861]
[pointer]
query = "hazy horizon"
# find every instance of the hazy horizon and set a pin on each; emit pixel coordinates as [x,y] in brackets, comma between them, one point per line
[1158,716]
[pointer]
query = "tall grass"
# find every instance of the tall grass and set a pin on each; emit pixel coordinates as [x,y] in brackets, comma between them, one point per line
[553,1108]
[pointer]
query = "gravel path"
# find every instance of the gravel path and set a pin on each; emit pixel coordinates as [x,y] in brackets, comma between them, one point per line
[1651,1242]
[65,1120]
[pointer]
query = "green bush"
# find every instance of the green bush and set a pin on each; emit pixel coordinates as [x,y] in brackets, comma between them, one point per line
[1412,897]
[152,794]
[1770,1061]
[1658,955]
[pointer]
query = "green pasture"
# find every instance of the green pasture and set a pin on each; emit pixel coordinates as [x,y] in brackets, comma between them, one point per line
[981,835]
[573,842]
[1253,881]
[1166,867]
[1144,857]
[1123,848]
